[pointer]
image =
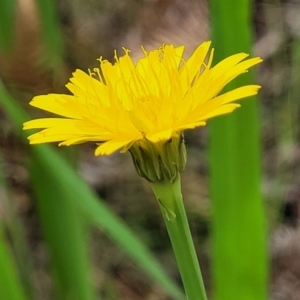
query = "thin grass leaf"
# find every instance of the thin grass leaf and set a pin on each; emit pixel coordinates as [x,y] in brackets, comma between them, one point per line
[51,32]
[238,228]
[88,203]
[14,228]
[10,285]
[65,233]
[7,21]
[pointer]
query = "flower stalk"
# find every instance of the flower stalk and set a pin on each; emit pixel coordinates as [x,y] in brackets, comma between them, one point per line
[171,204]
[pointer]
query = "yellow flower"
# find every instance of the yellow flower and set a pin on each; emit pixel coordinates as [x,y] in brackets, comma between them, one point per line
[124,104]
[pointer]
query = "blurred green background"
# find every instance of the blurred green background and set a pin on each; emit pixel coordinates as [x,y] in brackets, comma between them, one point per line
[75,226]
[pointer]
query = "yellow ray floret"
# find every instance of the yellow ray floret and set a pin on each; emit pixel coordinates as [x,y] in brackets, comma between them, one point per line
[155,99]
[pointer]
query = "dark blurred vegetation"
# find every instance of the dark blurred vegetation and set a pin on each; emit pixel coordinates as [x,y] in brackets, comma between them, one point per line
[51,40]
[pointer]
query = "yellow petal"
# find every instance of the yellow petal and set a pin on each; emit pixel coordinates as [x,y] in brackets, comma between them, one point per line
[159,136]
[193,64]
[112,146]
[54,103]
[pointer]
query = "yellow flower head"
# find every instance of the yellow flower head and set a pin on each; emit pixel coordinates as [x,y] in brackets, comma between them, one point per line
[124,104]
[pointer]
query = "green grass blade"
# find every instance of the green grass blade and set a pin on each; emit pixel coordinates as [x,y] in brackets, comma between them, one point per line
[51,32]
[88,203]
[10,285]
[7,22]
[238,230]
[65,233]
[15,230]
[14,112]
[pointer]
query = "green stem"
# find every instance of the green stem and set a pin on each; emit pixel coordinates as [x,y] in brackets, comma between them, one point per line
[170,201]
